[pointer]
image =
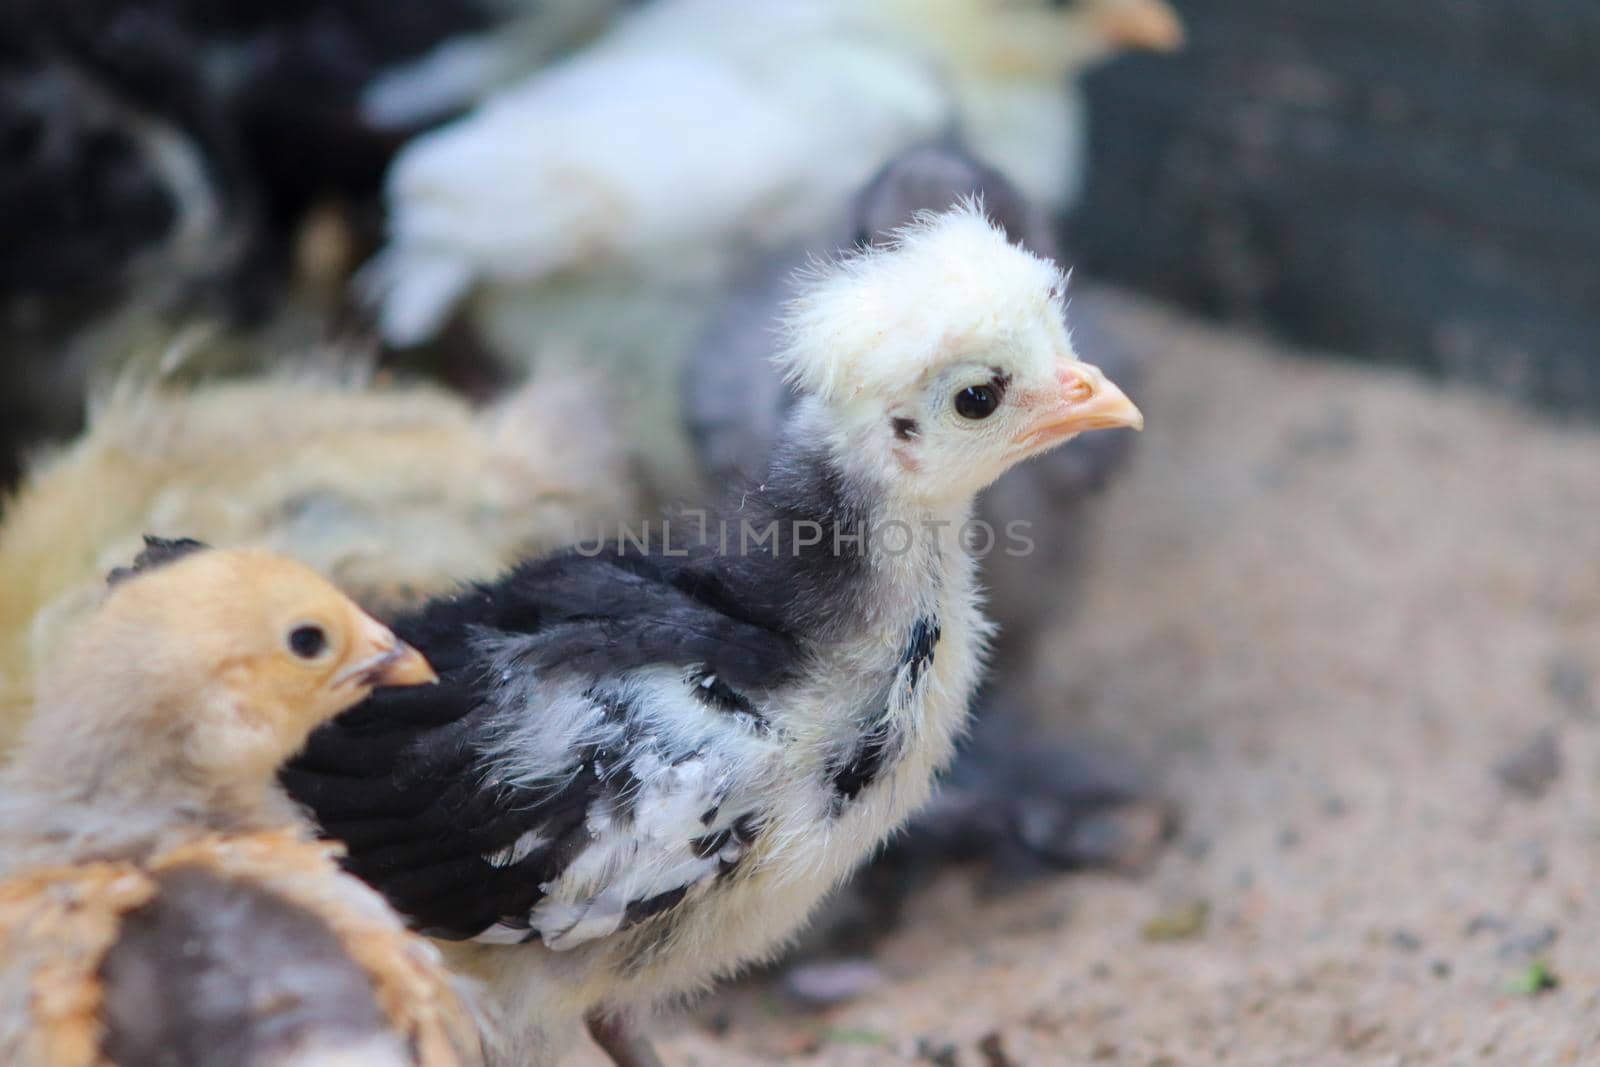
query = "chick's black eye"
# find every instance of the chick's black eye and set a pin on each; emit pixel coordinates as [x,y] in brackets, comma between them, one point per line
[977,402]
[307,642]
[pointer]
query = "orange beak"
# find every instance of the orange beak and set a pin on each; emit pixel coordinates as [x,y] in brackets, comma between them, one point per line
[1085,400]
[404,665]
[1143,24]
[380,658]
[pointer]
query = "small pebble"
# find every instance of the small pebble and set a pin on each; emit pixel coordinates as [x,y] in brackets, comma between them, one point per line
[1405,941]
[1527,944]
[1486,924]
[1530,769]
[1572,684]
[1535,859]
[825,983]
[992,1048]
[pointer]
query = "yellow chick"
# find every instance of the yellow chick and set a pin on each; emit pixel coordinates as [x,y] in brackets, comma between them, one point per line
[394,494]
[163,901]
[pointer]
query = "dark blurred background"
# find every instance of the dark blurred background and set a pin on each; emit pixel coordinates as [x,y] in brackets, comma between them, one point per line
[1417,183]
[1414,183]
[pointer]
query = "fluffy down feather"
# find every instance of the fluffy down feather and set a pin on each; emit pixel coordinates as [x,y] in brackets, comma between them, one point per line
[161,901]
[1013,796]
[642,768]
[395,494]
[856,328]
[64,980]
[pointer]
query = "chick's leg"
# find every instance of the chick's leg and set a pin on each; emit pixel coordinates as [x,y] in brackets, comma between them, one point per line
[620,1042]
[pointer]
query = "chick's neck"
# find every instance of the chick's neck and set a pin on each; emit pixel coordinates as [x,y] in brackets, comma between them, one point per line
[887,556]
[127,776]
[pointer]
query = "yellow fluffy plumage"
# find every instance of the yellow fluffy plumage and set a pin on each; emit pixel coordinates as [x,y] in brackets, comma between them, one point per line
[393,493]
[142,826]
[60,923]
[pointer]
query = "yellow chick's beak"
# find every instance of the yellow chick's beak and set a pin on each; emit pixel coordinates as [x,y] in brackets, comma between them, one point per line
[404,665]
[380,658]
[1086,400]
[1143,24]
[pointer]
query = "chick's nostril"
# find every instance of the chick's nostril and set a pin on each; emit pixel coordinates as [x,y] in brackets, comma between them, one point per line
[1076,386]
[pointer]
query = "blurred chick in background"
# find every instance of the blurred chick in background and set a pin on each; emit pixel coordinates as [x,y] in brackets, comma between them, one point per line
[395,494]
[607,201]
[163,902]
[464,69]
[174,160]
[159,157]
[213,127]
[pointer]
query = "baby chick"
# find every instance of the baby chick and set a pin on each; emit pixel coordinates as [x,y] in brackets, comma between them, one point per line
[696,127]
[395,494]
[163,901]
[642,769]
[1008,792]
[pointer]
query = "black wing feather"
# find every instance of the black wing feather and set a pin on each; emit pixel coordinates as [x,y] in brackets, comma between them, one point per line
[404,780]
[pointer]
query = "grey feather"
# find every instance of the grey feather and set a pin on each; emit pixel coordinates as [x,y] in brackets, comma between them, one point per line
[221,972]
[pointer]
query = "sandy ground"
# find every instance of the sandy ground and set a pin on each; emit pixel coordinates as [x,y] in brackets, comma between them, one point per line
[1326,605]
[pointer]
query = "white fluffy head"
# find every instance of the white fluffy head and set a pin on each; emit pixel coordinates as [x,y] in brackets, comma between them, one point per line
[937,362]
[874,320]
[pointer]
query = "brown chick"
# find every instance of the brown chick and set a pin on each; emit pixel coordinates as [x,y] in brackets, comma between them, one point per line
[163,902]
[395,494]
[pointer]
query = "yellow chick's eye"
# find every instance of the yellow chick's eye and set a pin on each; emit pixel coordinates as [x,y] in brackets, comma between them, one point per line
[308,641]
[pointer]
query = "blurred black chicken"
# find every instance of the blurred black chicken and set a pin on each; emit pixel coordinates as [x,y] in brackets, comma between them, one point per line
[159,156]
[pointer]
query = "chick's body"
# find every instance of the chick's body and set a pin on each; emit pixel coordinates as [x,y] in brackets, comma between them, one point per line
[733,889]
[162,901]
[395,494]
[697,129]
[642,769]
[692,129]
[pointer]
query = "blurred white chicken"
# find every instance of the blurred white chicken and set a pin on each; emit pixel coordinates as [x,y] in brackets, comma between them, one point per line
[463,69]
[606,200]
